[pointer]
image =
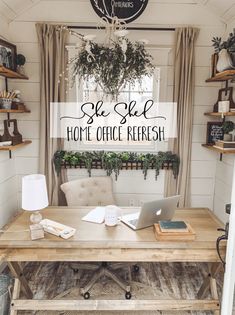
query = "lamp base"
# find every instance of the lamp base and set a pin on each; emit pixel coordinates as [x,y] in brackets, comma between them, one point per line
[36,217]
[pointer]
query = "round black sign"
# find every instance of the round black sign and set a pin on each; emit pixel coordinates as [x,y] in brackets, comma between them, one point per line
[126,10]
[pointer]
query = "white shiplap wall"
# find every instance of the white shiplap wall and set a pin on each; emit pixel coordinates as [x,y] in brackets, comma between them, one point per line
[8,178]
[157,14]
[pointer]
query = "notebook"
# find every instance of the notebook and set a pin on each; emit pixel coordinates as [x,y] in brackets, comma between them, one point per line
[95,215]
[173,226]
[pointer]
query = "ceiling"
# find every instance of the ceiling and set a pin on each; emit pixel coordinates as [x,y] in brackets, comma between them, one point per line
[224,9]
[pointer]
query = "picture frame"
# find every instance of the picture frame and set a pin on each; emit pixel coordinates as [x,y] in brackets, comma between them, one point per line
[214,132]
[8,54]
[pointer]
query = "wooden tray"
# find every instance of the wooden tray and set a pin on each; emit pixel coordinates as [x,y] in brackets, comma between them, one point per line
[174,236]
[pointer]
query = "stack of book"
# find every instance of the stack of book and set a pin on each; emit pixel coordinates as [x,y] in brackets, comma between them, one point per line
[225,145]
[174,231]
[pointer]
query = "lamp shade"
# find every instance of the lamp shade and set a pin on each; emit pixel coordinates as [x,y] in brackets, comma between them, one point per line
[34,192]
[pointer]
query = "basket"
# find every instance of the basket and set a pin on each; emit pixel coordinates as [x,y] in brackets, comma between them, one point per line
[6,103]
[5,284]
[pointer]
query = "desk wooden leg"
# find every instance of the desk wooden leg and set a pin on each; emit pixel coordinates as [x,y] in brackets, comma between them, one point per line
[214,269]
[214,292]
[17,272]
[15,296]
[210,284]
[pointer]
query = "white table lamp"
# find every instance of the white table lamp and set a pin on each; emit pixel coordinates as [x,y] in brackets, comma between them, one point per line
[34,195]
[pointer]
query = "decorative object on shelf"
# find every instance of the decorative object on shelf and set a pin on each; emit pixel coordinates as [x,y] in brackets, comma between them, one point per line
[20,62]
[214,132]
[5,103]
[113,162]
[127,11]
[17,102]
[227,126]
[223,107]
[16,138]
[225,94]
[228,45]
[6,99]
[224,61]
[34,195]
[7,55]
[111,65]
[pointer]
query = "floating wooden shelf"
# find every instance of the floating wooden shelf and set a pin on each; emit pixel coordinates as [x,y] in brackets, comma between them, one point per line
[222,151]
[10,74]
[15,147]
[222,76]
[216,114]
[12,111]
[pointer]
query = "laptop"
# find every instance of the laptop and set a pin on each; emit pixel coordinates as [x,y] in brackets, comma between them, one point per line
[152,212]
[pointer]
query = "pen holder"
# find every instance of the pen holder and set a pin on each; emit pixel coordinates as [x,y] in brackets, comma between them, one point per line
[6,103]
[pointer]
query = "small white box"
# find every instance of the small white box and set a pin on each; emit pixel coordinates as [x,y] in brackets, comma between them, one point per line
[223,106]
[36,231]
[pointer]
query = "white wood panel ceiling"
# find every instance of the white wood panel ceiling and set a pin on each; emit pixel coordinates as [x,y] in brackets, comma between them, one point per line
[224,9]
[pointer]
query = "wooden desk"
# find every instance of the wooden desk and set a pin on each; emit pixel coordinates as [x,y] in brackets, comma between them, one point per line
[96,242]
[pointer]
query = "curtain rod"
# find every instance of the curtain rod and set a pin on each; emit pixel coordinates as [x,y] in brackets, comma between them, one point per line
[129,28]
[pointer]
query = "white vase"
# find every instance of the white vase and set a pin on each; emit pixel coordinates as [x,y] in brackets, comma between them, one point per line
[224,61]
[228,137]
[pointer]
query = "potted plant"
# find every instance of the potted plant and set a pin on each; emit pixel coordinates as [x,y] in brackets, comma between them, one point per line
[226,52]
[227,127]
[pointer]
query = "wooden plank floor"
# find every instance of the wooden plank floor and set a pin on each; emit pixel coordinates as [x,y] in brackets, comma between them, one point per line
[160,280]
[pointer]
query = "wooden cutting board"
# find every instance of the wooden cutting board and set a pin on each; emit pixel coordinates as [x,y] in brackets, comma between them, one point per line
[174,236]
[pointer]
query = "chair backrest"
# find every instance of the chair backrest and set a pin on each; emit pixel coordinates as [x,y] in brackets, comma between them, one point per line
[93,191]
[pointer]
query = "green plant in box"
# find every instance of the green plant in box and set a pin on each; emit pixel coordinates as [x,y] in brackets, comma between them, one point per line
[112,161]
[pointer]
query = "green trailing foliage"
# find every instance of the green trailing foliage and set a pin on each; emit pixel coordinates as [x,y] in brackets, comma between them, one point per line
[111,66]
[112,162]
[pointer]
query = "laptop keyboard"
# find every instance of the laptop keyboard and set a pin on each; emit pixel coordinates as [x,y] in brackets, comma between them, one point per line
[133,222]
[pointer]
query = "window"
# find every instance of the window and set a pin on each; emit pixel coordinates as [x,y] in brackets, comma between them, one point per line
[89,91]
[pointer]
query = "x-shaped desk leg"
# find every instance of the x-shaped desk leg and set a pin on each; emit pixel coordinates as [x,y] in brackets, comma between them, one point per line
[17,272]
[210,284]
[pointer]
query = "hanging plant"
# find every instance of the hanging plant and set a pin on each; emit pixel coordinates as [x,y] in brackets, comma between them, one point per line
[111,65]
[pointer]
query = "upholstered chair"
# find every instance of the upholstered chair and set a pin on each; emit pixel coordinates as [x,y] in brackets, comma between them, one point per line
[94,191]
